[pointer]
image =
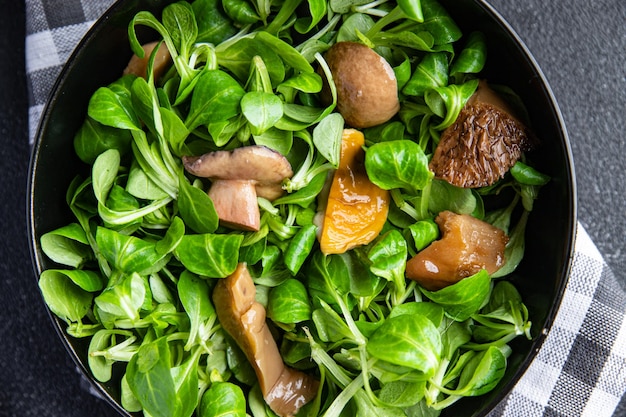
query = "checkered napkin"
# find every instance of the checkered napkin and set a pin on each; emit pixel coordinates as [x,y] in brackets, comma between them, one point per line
[581,368]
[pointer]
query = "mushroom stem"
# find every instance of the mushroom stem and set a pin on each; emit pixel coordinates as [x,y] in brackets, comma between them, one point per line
[284,389]
[236,204]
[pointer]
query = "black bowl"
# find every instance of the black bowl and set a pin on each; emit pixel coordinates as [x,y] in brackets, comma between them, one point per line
[542,276]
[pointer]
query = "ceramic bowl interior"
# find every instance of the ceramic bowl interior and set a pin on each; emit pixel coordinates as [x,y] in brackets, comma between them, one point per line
[541,278]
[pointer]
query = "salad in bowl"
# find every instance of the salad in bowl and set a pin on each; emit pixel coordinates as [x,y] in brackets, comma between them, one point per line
[298,207]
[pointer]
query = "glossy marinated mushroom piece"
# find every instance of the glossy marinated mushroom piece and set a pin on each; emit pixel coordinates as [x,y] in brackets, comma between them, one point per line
[238,178]
[284,389]
[139,66]
[483,143]
[467,246]
[367,90]
[356,208]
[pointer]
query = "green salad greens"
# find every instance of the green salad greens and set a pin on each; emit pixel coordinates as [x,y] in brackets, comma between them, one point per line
[136,269]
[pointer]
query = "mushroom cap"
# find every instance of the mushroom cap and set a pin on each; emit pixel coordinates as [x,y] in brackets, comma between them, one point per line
[482,144]
[367,89]
[253,163]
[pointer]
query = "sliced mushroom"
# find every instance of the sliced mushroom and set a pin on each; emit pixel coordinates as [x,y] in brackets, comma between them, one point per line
[284,389]
[354,209]
[367,89]
[467,246]
[483,143]
[139,66]
[238,177]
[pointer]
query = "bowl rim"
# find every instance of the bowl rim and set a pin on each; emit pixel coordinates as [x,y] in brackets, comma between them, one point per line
[99,390]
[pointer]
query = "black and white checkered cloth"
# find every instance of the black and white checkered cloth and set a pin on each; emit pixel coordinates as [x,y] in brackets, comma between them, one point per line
[581,368]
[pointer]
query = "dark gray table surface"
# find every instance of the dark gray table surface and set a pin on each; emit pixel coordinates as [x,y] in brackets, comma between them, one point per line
[581,47]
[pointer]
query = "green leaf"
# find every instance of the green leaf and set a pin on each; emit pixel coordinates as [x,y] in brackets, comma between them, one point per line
[431,311]
[67,245]
[453,97]
[121,301]
[409,341]
[515,247]
[300,247]
[172,237]
[223,399]
[307,82]
[179,20]
[127,253]
[141,186]
[214,26]
[439,23]
[239,56]
[402,393]
[195,296]
[289,302]
[525,174]
[327,277]
[317,11]
[104,172]
[424,232]
[186,380]
[209,255]
[241,12]
[196,208]
[279,140]
[464,298]
[327,136]
[431,72]
[216,97]
[355,23]
[287,53]
[412,8]
[100,346]
[174,130]
[93,138]
[149,378]
[445,196]
[473,57]
[398,164]
[329,325]
[482,373]
[262,110]
[87,280]
[422,41]
[112,109]
[65,299]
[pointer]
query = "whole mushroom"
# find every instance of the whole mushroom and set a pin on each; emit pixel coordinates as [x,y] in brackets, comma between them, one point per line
[238,177]
[367,89]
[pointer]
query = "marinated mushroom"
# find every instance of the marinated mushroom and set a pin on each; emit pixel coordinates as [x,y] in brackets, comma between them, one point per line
[356,209]
[482,144]
[238,178]
[467,246]
[284,389]
[139,66]
[367,90]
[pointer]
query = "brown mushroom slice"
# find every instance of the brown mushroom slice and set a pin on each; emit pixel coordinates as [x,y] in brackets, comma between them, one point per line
[467,246]
[284,389]
[482,144]
[367,89]
[139,66]
[239,177]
